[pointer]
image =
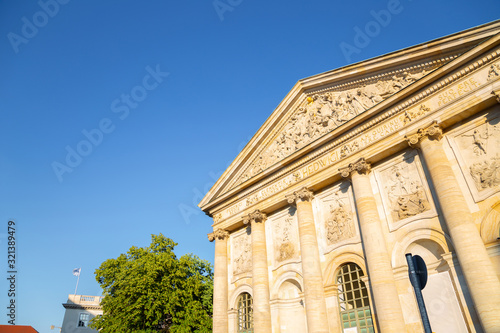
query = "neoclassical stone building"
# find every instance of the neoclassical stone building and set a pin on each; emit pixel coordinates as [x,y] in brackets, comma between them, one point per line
[356,167]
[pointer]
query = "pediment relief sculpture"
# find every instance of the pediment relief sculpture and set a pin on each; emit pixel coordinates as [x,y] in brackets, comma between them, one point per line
[320,113]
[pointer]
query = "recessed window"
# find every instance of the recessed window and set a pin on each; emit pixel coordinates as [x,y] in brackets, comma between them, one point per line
[353,299]
[245,313]
[83,320]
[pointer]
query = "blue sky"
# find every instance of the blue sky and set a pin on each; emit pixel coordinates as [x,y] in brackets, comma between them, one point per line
[156,98]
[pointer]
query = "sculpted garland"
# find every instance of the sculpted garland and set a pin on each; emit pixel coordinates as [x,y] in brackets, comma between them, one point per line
[324,112]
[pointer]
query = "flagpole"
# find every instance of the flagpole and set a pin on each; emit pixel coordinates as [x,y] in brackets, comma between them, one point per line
[78,280]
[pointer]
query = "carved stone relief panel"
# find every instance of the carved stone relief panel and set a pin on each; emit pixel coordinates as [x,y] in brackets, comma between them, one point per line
[337,221]
[404,190]
[285,237]
[242,253]
[477,146]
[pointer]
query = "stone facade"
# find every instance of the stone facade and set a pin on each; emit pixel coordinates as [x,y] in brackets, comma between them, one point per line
[354,169]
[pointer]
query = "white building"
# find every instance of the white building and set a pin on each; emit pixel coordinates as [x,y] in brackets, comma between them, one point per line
[80,309]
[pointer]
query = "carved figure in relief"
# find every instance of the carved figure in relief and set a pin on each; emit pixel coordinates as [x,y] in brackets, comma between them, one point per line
[349,148]
[339,225]
[494,71]
[412,114]
[323,112]
[479,145]
[481,149]
[406,194]
[243,255]
[412,204]
[285,248]
[252,199]
[486,174]
[412,77]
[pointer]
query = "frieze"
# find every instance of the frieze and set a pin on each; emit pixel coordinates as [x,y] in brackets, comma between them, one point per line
[369,133]
[456,91]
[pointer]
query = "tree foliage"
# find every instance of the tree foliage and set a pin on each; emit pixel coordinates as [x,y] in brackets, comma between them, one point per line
[150,290]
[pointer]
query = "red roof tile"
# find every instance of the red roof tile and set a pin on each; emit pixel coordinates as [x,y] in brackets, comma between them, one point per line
[17,329]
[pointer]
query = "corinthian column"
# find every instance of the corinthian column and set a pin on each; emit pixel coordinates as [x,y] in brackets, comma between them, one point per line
[220,281]
[476,265]
[260,276]
[383,286]
[311,268]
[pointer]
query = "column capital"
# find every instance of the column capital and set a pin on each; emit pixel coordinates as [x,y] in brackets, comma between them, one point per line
[219,234]
[257,216]
[496,93]
[301,195]
[361,166]
[434,131]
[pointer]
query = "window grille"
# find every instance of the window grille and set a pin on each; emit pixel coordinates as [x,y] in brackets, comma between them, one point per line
[83,320]
[353,299]
[245,313]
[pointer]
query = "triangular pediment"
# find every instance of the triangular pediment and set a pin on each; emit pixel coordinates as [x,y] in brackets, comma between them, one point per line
[323,110]
[328,102]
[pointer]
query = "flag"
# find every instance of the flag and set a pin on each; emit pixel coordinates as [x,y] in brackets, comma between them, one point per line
[76,271]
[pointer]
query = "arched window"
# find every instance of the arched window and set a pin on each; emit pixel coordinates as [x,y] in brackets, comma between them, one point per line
[353,299]
[245,313]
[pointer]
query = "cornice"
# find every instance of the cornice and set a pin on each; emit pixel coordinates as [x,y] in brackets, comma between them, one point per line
[81,306]
[463,39]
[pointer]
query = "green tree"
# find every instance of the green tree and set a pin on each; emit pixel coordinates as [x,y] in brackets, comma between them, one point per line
[149,289]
